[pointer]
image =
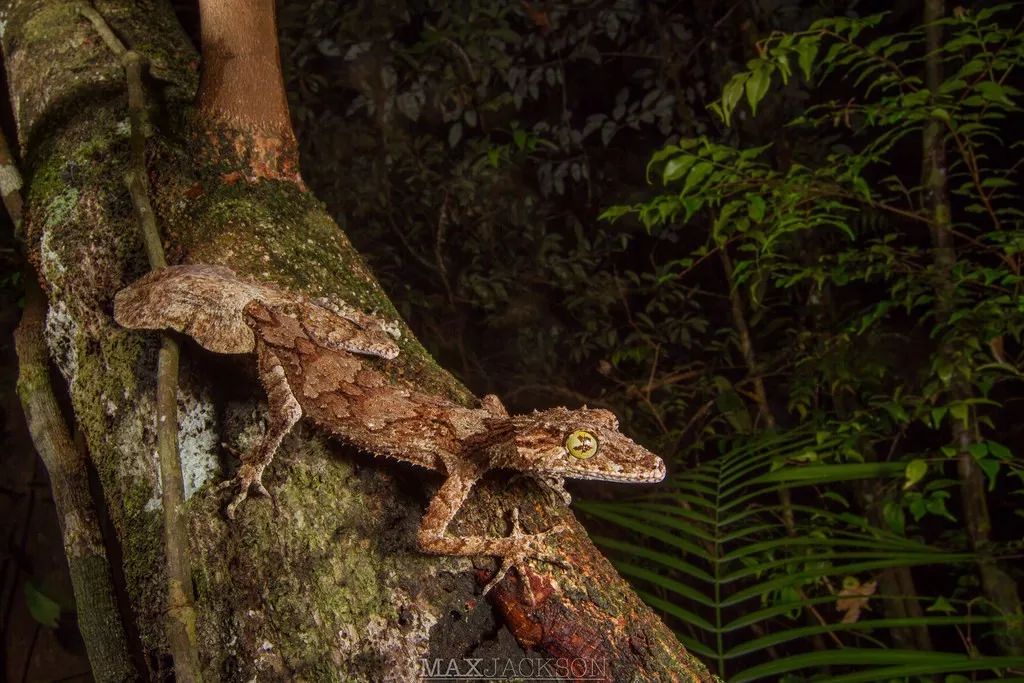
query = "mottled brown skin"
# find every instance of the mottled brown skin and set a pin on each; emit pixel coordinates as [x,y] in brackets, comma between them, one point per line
[206,302]
[307,361]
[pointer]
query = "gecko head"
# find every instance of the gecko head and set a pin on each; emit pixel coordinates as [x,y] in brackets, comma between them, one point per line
[582,444]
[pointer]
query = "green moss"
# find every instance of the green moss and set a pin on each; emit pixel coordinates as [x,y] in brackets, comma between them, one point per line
[71,66]
[71,110]
[170,55]
[108,373]
[102,142]
[106,377]
[60,207]
[277,233]
[327,578]
[40,23]
[70,161]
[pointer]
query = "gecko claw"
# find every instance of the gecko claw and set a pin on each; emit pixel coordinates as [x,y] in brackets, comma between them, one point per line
[247,478]
[529,547]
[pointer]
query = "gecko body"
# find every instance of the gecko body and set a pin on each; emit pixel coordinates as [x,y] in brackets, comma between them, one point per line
[309,361]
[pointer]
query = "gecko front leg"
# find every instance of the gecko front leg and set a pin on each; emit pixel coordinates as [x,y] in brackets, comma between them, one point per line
[284,412]
[514,549]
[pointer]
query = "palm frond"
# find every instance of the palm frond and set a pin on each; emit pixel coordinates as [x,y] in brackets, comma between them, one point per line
[711,551]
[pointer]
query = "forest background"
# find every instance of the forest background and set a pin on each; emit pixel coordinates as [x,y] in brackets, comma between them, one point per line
[780,239]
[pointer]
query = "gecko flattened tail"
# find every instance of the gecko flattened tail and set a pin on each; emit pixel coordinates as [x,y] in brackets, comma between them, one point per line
[207,302]
[202,301]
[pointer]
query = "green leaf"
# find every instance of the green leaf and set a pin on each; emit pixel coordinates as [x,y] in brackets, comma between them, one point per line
[892,512]
[519,138]
[990,467]
[994,183]
[915,471]
[994,92]
[936,504]
[692,205]
[42,608]
[696,175]
[755,207]
[731,95]
[494,156]
[734,410]
[941,604]
[717,542]
[613,213]
[677,167]
[807,50]
[757,85]
[999,450]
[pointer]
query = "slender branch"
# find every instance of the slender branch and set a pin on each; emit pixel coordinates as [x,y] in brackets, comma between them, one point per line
[181,615]
[88,565]
[103,28]
[10,186]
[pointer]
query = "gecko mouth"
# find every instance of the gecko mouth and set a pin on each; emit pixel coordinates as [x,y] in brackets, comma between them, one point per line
[649,476]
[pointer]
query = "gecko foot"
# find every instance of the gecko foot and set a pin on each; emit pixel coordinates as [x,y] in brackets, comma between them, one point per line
[528,547]
[248,477]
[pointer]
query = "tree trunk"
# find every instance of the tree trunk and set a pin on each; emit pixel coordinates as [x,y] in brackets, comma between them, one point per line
[327,583]
[997,585]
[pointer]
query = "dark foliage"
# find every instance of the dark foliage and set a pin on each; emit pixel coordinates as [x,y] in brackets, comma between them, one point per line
[771,313]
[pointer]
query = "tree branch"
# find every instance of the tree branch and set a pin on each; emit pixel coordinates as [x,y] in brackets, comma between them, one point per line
[181,615]
[98,617]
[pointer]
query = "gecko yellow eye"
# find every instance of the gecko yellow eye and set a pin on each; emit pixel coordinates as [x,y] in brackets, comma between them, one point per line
[581,444]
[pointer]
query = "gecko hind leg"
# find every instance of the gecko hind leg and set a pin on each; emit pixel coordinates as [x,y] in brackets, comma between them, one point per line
[284,413]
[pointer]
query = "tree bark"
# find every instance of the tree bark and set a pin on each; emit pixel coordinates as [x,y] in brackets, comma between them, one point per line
[241,92]
[327,584]
[997,585]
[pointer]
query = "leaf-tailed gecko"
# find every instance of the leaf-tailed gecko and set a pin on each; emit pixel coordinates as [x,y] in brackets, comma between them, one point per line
[308,357]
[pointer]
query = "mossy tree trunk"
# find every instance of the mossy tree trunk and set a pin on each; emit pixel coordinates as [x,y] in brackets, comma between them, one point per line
[327,584]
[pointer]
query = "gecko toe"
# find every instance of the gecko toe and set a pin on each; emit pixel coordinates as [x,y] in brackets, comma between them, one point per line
[498,576]
[247,479]
[519,563]
[232,507]
[529,547]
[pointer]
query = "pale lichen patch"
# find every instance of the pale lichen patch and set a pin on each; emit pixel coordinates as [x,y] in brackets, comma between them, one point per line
[61,332]
[197,440]
[52,261]
[403,641]
[155,502]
